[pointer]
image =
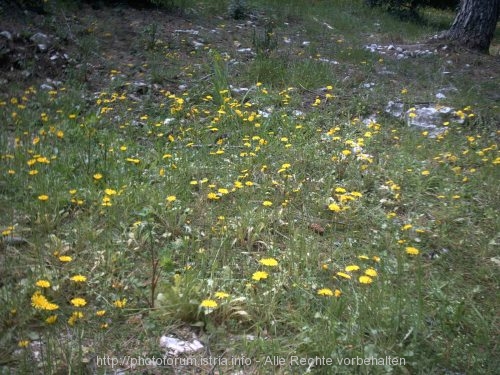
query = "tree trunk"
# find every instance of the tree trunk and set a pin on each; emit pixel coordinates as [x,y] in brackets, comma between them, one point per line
[475,24]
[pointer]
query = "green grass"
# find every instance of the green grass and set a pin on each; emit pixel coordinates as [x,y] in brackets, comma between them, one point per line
[161,217]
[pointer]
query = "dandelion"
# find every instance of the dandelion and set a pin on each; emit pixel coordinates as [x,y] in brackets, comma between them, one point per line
[43,197]
[171,198]
[40,302]
[100,312]
[371,272]
[97,176]
[352,268]
[344,275]
[410,250]
[208,304]
[259,275]
[212,196]
[269,262]
[42,284]
[325,292]
[365,279]
[425,173]
[120,303]
[334,207]
[267,203]
[78,302]
[406,227]
[23,343]
[223,191]
[51,319]
[65,258]
[221,295]
[78,278]
[74,317]
[376,258]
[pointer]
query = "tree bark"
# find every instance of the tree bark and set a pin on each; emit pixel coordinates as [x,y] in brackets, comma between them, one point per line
[475,24]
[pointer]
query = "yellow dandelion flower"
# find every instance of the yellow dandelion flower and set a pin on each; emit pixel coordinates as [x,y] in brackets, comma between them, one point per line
[267,203]
[334,207]
[406,227]
[40,302]
[78,302]
[43,197]
[74,317]
[410,250]
[97,176]
[65,258]
[340,190]
[51,319]
[344,275]
[212,196]
[120,303]
[100,312]
[365,279]
[42,284]
[23,343]
[78,278]
[371,272]
[208,304]
[221,295]
[376,258]
[337,293]
[171,198]
[352,268]
[363,257]
[259,275]
[325,292]
[223,191]
[270,262]
[425,173]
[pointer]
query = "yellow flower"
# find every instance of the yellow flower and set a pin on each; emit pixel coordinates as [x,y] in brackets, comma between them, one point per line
[334,207]
[78,278]
[23,343]
[325,292]
[340,190]
[365,279]
[410,250]
[74,317]
[51,319]
[270,262]
[208,303]
[43,283]
[259,275]
[425,173]
[352,268]
[212,196]
[223,191]
[97,176]
[337,293]
[344,275]
[267,203]
[109,191]
[78,302]
[221,295]
[371,272]
[120,303]
[40,302]
[406,227]
[65,258]
[43,197]
[171,198]
[100,312]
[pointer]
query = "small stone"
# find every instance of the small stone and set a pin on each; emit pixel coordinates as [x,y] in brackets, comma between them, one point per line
[7,35]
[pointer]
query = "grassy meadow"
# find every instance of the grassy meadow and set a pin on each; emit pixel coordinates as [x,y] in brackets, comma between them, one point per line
[236,191]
